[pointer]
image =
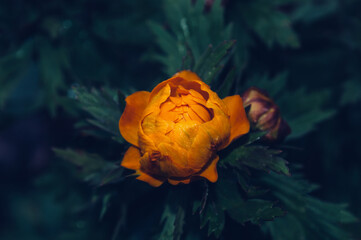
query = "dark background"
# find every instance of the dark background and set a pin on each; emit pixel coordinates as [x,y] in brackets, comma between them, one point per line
[48,46]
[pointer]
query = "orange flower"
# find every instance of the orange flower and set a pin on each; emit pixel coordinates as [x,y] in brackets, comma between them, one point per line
[265,114]
[177,129]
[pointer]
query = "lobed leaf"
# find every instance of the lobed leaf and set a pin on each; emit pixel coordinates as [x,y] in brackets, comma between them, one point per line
[191,30]
[208,66]
[253,210]
[308,217]
[256,157]
[105,106]
[173,221]
[92,168]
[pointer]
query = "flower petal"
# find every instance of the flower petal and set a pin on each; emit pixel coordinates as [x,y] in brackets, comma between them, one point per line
[219,129]
[129,121]
[189,75]
[187,79]
[200,151]
[238,118]
[175,163]
[176,182]
[211,171]
[148,179]
[131,158]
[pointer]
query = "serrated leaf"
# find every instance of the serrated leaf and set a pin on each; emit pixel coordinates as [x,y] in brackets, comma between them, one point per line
[209,64]
[91,168]
[271,24]
[257,157]
[303,110]
[172,52]
[191,31]
[104,106]
[250,190]
[214,216]
[173,220]
[308,217]
[253,210]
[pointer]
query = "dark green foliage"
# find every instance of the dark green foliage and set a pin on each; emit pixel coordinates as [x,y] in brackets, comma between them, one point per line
[257,157]
[173,220]
[52,63]
[253,210]
[105,106]
[226,87]
[267,20]
[191,31]
[273,86]
[224,199]
[174,214]
[13,67]
[208,65]
[22,74]
[92,168]
[307,217]
[213,215]
[351,92]
[304,113]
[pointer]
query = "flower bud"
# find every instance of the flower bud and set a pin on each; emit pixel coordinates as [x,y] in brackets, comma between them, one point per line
[265,115]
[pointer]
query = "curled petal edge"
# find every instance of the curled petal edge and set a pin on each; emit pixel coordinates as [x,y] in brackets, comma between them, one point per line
[132,114]
[237,116]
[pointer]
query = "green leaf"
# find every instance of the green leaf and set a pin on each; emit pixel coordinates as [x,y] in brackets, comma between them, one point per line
[254,136]
[52,62]
[257,157]
[303,110]
[308,217]
[253,210]
[350,92]
[13,67]
[172,50]
[226,199]
[287,227]
[105,205]
[105,106]
[311,11]
[208,65]
[214,216]
[226,87]
[191,31]
[91,168]
[250,190]
[173,221]
[271,24]
[273,86]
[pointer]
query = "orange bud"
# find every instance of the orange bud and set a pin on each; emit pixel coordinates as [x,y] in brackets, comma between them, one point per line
[177,129]
[265,115]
